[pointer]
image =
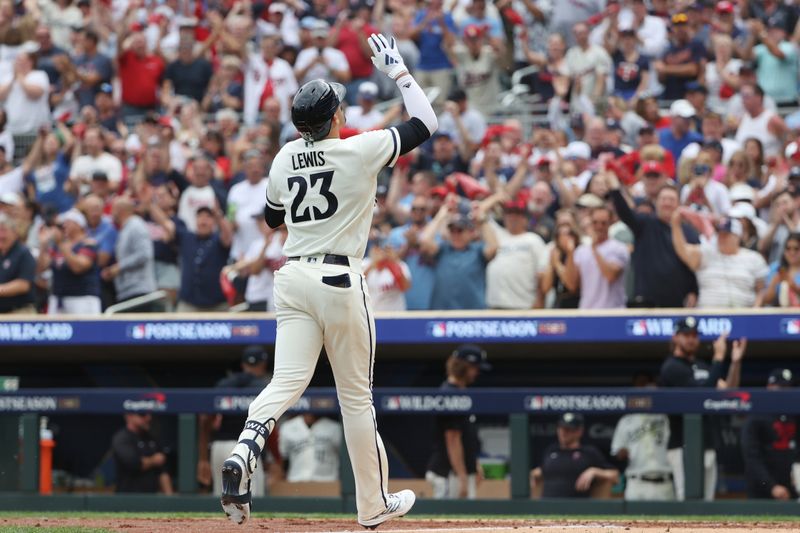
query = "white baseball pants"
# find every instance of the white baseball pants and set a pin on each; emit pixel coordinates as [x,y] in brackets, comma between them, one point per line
[312,314]
[641,490]
[675,458]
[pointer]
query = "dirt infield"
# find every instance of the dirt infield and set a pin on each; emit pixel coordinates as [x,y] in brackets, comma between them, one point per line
[216,525]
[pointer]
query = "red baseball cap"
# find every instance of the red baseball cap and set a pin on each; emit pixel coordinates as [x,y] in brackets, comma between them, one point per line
[439,190]
[652,167]
[473,30]
[724,7]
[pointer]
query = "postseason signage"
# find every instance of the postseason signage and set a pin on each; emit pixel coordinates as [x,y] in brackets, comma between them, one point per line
[406,328]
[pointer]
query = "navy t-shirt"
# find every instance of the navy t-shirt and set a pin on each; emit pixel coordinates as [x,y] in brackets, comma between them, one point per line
[675,86]
[68,283]
[18,263]
[627,74]
[202,259]
[562,467]
[190,79]
[97,64]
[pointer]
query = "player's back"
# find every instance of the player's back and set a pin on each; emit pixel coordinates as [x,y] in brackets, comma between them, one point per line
[327,189]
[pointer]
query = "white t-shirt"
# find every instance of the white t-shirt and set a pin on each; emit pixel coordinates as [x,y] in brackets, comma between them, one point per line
[335,59]
[587,65]
[716,194]
[356,118]
[259,287]
[729,280]
[383,290]
[645,436]
[283,82]
[312,452]
[86,165]
[192,199]
[26,115]
[12,181]
[511,275]
[248,200]
[474,123]
[327,189]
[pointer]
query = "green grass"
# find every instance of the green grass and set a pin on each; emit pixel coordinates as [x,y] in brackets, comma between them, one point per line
[323,516]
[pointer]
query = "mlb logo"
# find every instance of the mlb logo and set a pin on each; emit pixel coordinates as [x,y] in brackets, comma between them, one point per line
[392,403]
[536,403]
[437,329]
[792,326]
[137,332]
[637,328]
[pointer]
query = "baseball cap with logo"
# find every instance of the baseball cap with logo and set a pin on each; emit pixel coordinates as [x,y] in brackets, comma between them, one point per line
[724,7]
[472,354]
[578,150]
[368,90]
[652,167]
[686,325]
[571,420]
[73,215]
[472,31]
[681,108]
[781,376]
[254,354]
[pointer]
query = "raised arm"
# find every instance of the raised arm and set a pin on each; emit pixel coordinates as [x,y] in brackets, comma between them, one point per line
[688,253]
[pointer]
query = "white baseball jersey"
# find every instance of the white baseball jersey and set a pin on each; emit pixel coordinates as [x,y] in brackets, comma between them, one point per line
[327,189]
[645,437]
[312,452]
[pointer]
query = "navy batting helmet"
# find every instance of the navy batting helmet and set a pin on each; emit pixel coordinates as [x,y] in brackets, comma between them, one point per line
[314,106]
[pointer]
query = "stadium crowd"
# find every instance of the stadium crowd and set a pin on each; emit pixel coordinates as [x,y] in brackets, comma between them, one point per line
[646,154]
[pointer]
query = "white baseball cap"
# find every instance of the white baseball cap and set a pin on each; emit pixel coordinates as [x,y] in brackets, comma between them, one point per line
[682,108]
[578,150]
[792,149]
[368,89]
[741,192]
[11,198]
[73,215]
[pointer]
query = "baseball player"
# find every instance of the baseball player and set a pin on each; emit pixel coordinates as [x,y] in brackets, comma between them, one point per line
[323,188]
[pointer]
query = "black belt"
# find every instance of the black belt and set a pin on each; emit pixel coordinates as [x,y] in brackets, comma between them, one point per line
[329,259]
[652,478]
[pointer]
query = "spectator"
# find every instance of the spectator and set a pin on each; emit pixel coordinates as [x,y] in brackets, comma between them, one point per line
[722,74]
[139,457]
[679,135]
[466,125]
[96,159]
[552,73]
[189,75]
[569,468]
[683,370]
[388,278]
[203,254]
[565,240]
[246,199]
[365,116]
[72,258]
[532,35]
[50,58]
[640,440]
[727,275]
[99,228]
[217,434]
[406,239]
[134,270]
[713,130]
[432,28]
[513,277]
[460,281]
[225,91]
[776,59]
[319,60]
[703,193]
[682,62]
[598,268]
[350,34]
[785,219]
[140,74]
[24,93]
[661,279]
[565,16]
[91,69]
[759,122]
[262,258]
[108,115]
[588,66]
[453,468]
[61,16]
[769,447]
[310,444]
[17,270]
[783,280]
[446,157]
[46,169]
[478,62]
[631,69]
[650,29]
[201,193]
[267,75]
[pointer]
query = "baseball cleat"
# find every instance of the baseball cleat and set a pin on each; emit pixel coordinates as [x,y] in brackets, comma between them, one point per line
[236,496]
[397,505]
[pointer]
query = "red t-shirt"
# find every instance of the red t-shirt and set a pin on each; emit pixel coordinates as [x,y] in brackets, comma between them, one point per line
[140,78]
[360,64]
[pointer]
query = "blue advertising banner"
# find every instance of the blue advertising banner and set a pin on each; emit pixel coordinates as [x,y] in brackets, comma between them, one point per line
[410,401]
[410,328]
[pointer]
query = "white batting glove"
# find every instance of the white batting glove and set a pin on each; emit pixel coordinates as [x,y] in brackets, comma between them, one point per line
[385,55]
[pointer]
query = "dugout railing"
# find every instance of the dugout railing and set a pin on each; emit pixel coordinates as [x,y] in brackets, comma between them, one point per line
[518,404]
